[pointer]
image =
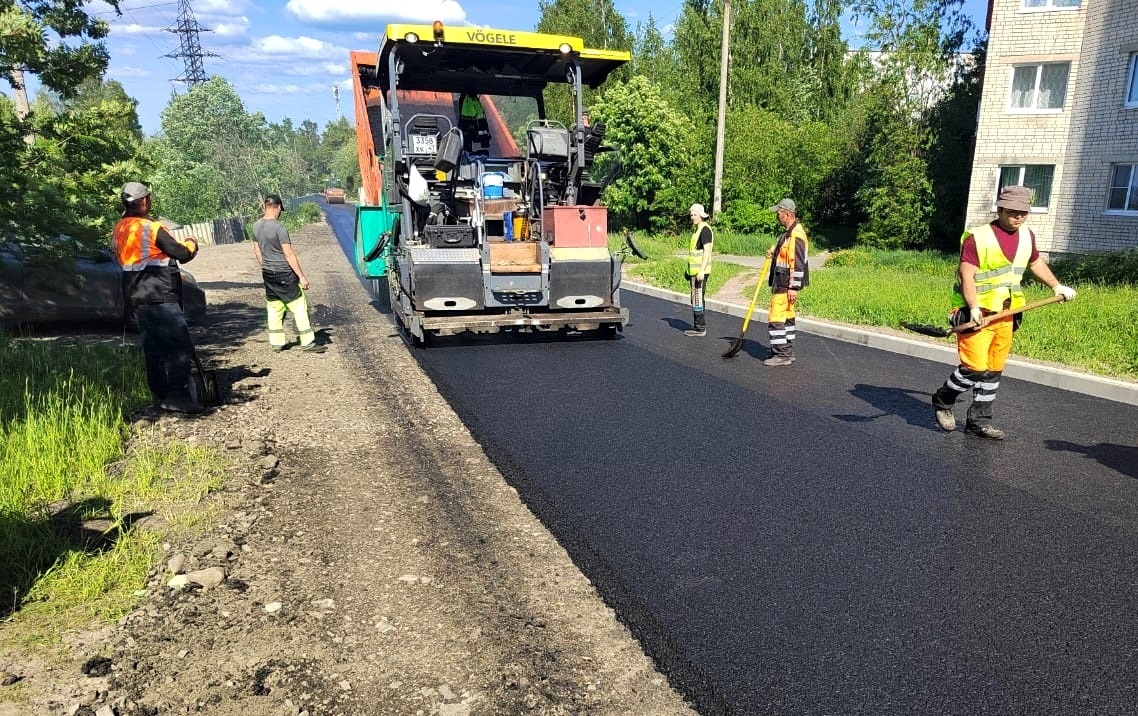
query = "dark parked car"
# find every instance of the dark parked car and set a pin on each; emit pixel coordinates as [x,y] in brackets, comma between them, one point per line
[86,289]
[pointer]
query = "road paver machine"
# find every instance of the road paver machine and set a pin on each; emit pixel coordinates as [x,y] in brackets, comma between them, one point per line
[476,208]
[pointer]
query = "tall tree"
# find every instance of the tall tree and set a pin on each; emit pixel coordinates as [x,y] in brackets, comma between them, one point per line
[653,57]
[54,160]
[211,155]
[599,25]
[25,29]
[917,65]
[661,173]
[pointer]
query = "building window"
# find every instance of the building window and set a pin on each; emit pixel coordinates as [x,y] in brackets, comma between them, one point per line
[1123,188]
[1132,82]
[1039,88]
[1048,4]
[1036,177]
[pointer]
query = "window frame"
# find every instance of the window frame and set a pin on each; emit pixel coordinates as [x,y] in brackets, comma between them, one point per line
[1050,6]
[1131,189]
[1131,88]
[1038,66]
[1022,171]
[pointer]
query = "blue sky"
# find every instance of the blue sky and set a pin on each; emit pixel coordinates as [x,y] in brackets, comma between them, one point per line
[285,56]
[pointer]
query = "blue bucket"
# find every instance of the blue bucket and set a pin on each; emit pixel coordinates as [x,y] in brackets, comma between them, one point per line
[492,184]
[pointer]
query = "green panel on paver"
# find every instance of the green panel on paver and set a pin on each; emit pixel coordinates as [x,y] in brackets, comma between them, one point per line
[371,223]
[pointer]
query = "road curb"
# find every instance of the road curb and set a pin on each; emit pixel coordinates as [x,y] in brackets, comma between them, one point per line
[1062,378]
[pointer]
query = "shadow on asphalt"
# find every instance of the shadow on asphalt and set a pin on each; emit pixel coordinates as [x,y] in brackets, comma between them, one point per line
[1120,458]
[912,405]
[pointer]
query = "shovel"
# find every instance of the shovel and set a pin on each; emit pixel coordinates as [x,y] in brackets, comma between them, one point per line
[938,332]
[737,344]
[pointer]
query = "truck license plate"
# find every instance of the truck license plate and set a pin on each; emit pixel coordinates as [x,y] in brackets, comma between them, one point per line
[423,144]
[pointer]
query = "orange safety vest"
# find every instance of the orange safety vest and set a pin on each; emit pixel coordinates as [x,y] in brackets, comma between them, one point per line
[135,246]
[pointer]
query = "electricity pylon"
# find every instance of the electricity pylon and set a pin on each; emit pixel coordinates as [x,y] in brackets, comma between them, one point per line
[186,27]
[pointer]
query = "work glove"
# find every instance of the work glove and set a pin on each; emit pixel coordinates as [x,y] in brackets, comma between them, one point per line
[976,314]
[1066,292]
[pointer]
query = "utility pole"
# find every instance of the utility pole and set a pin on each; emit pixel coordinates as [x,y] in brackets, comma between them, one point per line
[336,94]
[16,78]
[717,197]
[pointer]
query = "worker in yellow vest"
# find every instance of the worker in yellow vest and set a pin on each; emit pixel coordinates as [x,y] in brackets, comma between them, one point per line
[993,258]
[699,267]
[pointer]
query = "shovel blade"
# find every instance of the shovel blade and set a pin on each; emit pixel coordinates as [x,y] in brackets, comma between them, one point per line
[734,348]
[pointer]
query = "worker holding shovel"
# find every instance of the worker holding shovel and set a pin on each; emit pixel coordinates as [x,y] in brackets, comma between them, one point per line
[993,258]
[789,274]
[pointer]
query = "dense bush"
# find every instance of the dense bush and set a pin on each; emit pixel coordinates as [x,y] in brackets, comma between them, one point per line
[1111,268]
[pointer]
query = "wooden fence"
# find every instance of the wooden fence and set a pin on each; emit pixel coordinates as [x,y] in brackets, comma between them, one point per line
[218,231]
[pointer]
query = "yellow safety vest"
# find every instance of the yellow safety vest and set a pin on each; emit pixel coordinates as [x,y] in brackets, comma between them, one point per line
[695,253]
[997,279]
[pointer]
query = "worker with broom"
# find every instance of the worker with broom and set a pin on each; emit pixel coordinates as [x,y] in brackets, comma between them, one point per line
[993,258]
[789,274]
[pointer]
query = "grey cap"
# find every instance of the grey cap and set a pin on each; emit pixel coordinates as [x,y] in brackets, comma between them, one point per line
[132,191]
[785,205]
[699,210]
[1014,198]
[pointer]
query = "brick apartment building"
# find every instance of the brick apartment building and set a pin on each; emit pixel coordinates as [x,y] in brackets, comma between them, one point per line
[1059,114]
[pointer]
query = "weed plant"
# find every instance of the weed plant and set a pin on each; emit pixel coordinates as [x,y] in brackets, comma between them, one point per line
[63,425]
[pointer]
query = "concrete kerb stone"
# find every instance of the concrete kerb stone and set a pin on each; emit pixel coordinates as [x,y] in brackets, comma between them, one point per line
[1063,378]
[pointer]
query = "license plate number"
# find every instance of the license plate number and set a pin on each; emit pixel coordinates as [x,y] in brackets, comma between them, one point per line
[423,144]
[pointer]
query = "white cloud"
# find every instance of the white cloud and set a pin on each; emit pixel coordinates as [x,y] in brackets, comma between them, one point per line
[323,12]
[134,28]
[128,72]
[233,28]
[297,47]
[272,89]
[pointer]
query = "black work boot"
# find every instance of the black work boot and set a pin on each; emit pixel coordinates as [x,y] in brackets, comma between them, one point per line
[985,430]
[983,401]
[699,325]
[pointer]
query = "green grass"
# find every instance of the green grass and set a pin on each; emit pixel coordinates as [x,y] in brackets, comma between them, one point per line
[64,428]
[1097,332]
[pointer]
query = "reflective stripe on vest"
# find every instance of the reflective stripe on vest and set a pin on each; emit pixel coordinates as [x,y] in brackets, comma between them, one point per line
[786,253]
[134,244]
[695,253]
[997,279]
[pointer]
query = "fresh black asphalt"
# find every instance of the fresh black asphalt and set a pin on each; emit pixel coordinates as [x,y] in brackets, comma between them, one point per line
[804,540]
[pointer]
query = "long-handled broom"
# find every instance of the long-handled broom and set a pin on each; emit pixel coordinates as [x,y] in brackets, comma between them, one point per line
[737,344]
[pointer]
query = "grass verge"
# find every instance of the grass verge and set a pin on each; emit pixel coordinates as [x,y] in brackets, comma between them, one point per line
[67,457]
[1097,332]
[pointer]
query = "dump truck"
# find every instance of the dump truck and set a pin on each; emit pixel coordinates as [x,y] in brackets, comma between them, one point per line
[482,214]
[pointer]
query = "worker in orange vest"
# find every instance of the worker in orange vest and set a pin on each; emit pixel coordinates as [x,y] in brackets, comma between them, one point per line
[152,287]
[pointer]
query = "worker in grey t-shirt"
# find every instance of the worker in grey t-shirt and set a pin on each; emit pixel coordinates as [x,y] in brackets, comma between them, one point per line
[285,282]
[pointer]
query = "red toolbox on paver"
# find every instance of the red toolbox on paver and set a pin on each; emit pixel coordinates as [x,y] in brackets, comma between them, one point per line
[575,226]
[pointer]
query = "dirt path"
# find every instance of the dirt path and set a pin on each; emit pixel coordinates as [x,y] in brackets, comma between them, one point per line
[375,561]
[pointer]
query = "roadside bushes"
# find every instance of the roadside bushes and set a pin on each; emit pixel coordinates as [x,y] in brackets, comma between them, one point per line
[1110,268]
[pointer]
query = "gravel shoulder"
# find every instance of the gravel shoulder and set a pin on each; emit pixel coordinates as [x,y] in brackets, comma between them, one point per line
[372,559]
